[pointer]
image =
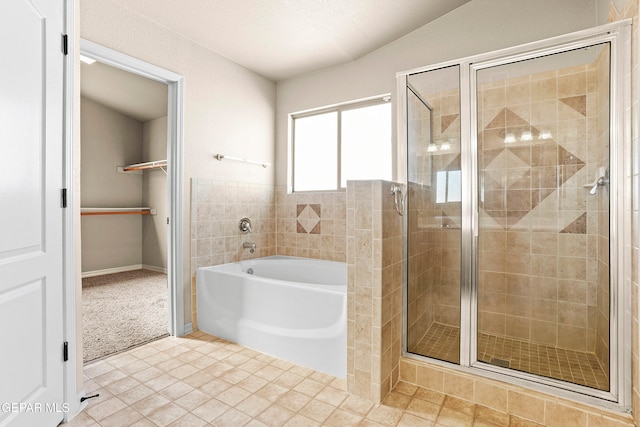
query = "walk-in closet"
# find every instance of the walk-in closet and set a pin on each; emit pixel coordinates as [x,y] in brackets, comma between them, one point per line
[124,210]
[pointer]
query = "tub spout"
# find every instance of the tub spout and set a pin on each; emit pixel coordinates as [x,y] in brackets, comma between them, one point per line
[249,245]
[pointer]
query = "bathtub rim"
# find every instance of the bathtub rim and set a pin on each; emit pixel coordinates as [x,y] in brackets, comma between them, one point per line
[226,269]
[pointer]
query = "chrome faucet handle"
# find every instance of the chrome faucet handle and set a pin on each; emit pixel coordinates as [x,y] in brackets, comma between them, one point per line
[600,181]
[245,225]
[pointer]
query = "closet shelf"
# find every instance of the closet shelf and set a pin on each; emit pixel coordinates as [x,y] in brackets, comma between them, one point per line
[157,164]
[117,211]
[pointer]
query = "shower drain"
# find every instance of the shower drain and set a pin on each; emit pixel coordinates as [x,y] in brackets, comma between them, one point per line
[500,362]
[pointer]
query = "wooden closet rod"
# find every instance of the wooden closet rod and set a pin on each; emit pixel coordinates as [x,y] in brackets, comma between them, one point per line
[117,211]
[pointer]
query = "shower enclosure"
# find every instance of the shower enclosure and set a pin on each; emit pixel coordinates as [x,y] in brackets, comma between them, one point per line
[517,166]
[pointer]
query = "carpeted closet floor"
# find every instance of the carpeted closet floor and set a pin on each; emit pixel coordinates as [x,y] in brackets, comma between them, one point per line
[122,310]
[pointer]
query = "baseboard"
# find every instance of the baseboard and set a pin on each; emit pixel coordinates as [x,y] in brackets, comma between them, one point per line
[111,270]
[154,268]
[188,328]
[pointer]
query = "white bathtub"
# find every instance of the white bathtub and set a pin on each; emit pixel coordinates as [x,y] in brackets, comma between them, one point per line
[291,308]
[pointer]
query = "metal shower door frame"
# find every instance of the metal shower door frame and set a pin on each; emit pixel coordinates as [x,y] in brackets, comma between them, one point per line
[618,36]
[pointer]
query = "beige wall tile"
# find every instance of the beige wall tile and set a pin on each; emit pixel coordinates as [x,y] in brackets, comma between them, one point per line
[459,386]
[562,415]
[490,395]
[526,406]
[430,378]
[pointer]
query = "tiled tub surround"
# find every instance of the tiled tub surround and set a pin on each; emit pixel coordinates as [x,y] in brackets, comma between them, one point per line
[216,210]
[309,225]
[374,290]
[315,225]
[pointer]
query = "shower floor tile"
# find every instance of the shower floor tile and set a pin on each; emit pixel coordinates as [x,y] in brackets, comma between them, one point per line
[443,342]
[440,342]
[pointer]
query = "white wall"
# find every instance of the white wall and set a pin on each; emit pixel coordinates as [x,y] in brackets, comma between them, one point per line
[109,139]
[476,27]
[228,109]
[154,195]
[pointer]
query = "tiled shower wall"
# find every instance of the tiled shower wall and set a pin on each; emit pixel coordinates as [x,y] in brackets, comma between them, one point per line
[539,238]
[423,268]
[602,212]
[434,228]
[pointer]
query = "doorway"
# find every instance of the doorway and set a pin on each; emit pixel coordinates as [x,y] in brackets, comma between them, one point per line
[124,209]
[149,218]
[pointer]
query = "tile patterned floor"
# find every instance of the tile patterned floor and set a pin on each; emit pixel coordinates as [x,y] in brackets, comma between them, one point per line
[442,342]
[200,380]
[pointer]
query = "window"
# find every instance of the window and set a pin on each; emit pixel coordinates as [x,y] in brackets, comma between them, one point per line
[448,186]
[348,142]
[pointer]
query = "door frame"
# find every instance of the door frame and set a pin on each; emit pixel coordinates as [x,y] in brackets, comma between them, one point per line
[72,393]
[175,254]
[175,87]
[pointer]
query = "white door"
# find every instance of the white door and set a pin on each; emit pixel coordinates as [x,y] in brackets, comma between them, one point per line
[31,178]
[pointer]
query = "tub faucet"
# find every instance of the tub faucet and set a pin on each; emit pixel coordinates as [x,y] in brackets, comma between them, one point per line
[249,245]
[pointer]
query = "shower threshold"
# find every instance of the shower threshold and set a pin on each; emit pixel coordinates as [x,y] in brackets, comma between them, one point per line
[443,342]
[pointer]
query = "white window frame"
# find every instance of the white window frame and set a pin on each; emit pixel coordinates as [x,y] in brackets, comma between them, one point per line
[445,191]
[339,108]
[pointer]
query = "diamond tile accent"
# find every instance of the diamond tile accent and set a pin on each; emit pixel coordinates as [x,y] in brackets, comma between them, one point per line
[316,208]
[308,218]
[517,178]
[454,164]
[316,228]
[445,121]
[579,226]
[578,103]
[512,119]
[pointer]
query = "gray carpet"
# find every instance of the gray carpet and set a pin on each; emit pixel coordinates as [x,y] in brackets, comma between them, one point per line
[122,310]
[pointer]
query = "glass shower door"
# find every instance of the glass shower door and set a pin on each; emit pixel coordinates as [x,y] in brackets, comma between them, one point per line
[543,216]
[434,214]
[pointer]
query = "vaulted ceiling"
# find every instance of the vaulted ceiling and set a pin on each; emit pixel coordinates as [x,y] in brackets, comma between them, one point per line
[277,39]
[283,38]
